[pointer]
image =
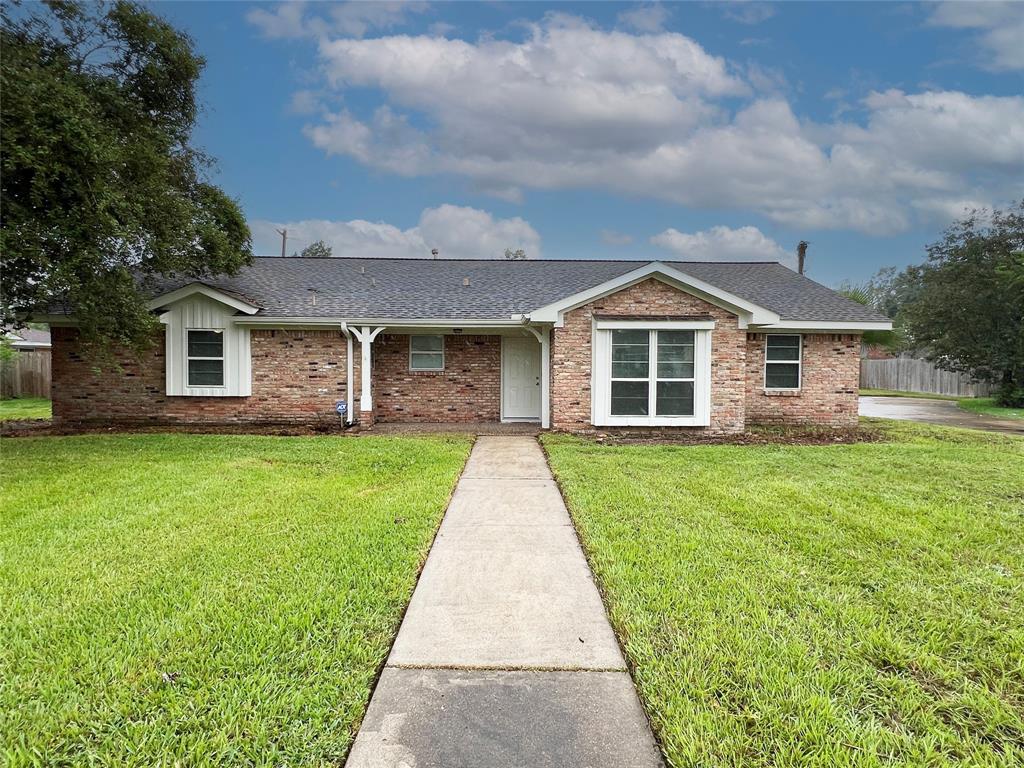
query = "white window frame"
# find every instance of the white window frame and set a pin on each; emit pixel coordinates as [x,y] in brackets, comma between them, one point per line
[799,363]
[222,358]
[413,353]
[601,383]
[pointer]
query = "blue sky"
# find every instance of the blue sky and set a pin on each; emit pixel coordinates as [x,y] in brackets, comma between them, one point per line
[613,130]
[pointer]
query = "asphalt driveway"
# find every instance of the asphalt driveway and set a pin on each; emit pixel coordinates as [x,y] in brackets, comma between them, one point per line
[944,412]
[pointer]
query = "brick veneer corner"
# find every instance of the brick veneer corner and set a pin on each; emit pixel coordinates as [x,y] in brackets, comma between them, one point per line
[571,357]
[828,388]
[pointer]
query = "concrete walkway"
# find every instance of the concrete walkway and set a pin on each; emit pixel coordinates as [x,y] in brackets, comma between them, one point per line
[944,412]
[505,656]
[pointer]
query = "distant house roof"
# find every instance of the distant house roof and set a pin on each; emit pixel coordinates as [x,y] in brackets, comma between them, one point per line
[28,338]
[461,289]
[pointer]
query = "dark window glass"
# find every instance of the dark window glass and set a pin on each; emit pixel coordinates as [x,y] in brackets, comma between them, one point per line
[427,343]
[782,376]
[675,398]
[675,354]
[629,398]
[630,354]
[206,373]
[783,348]
[205,344]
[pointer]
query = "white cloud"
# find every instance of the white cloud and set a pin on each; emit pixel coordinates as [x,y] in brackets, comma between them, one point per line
[458,232]
[574,106]
[748,11]
[611,237]
[722,244]
[645,18]
[299,19]
[1000,28]
[304,103]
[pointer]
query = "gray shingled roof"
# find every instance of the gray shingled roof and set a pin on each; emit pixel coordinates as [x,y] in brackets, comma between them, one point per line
[426,288]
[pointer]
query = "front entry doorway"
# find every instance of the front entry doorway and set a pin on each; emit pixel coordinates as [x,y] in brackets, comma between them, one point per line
[520,379]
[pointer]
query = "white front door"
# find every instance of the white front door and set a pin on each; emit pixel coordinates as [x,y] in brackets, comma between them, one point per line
[520,378]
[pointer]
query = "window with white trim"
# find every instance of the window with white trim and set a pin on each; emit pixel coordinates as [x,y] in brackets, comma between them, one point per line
[426,353]
[205,358]
[652,376]
[652,372]
[782,360]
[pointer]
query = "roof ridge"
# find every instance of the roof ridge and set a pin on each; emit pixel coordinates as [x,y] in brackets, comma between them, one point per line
[514,261]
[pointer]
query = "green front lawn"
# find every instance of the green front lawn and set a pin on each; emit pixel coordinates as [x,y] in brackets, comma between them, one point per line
[25,408]
[205,600]
[843,605]
[986,406]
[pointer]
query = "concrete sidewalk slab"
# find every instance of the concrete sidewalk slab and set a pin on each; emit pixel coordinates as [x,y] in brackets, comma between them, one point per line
[505,656]
[459,719]
[506,457]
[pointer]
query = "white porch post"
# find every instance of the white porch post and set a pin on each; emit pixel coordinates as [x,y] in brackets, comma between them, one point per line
[544,337]
[545,378]
[366,335]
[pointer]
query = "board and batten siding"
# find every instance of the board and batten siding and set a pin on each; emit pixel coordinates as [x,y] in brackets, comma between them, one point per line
[198,313]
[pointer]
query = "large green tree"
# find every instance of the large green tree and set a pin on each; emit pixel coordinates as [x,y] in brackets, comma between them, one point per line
[101,187]
[967,313]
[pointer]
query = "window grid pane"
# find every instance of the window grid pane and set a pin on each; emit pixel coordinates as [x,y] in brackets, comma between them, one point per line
[676,369]
[208,344]
[675,398]
[427,343]
[782,376]
[421,361]
[205,373]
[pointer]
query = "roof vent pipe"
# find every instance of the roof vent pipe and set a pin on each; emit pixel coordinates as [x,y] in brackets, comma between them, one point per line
[465,281]
[434,252]
[801,255]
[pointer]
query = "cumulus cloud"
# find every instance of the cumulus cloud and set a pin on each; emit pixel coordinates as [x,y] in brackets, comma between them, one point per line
[645,18]
[748,11]
[722,244]
[575,106]
[1000,28]
[300,19]
[458,232]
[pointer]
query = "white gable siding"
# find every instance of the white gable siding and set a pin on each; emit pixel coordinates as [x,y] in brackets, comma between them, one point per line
[202,313]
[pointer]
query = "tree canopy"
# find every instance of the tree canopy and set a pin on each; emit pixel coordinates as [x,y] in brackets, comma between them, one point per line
[101,187]
[317,250]
[965,309]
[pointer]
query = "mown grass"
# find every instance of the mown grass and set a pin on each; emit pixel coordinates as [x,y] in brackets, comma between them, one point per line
[25,408]
[986,406]
[205,600]
[847,605]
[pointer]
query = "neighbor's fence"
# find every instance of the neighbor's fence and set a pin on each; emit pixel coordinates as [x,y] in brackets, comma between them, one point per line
[26,374]
[911,374]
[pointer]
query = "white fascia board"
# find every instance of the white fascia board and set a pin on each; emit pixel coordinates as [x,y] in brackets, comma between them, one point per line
[334,322]
[823,326]
[747,311]
[201,288]
[611,323]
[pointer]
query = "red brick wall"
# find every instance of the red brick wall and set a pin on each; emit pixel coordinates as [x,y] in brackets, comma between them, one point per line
[571,355]
[828,388]
[468,389]
[297,376]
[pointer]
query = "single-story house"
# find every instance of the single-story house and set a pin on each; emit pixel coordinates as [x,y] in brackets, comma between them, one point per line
[28,339]
[571,345]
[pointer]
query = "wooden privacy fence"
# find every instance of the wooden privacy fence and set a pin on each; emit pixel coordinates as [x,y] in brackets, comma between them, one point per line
[911,374]
[26,374]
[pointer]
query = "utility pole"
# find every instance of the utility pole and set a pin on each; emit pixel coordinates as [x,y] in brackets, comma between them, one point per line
[284,240]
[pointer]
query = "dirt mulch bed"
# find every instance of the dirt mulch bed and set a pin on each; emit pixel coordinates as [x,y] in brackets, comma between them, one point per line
[755,436]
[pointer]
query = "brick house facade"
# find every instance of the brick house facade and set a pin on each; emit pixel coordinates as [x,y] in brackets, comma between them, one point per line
[297,375]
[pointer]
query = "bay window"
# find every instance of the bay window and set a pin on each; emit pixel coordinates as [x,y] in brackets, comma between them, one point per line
[652,374]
